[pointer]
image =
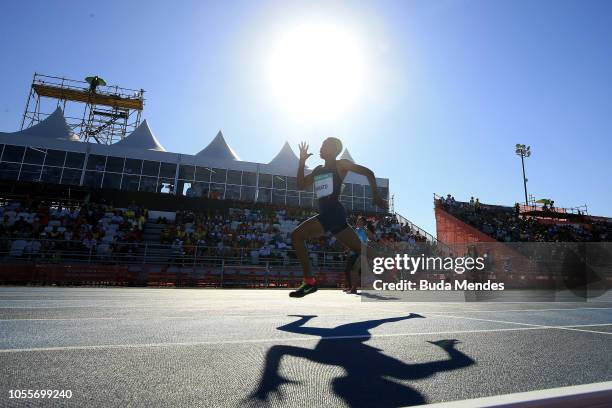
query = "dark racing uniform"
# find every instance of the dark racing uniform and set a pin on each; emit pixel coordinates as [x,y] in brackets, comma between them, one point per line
[327,187]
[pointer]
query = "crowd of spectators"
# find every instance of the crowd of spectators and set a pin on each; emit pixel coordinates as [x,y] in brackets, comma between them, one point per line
[507,224]
[30,228]
[256,234]
[263,234]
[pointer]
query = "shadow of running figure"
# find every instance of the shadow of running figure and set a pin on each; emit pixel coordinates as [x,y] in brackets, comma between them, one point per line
[366,382]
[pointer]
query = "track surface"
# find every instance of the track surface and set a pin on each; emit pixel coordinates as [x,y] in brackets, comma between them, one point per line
[184,347]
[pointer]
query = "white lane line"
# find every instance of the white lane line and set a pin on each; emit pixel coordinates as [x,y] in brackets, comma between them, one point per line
[50,299]
[377,313]
[169,307]
[249,341]
[220,316]
[527,310]
[271,340]
[380,314]
[60,319]
[77,307]
[593,395]
[570,327]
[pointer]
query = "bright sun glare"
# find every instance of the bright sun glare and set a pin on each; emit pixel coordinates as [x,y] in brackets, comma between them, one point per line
[316,71]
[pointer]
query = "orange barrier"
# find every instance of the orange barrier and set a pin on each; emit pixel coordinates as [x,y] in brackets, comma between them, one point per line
[284,278]
[161,276]
[452,231]
[66,274]
[17,274]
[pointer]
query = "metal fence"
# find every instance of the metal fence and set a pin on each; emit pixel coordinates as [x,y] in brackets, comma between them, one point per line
[145,253]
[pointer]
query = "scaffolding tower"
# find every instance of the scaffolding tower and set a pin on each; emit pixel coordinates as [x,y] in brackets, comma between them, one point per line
[102,114]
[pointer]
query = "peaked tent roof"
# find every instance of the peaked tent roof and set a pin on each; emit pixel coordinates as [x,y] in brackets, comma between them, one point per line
[218,149]
[141,138]
[346,155]
[285,158]
[52,127]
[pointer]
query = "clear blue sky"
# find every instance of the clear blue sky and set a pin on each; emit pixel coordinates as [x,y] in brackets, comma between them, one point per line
[453,85]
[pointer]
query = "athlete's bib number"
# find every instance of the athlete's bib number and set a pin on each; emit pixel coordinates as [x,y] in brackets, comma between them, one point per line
[324,184]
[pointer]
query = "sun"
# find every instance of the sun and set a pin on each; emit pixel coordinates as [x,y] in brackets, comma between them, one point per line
[316,71]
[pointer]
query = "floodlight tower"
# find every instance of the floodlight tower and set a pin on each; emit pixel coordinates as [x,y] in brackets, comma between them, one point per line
[523,151]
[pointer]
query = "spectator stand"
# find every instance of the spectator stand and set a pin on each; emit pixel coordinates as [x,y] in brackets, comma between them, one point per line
[174,248]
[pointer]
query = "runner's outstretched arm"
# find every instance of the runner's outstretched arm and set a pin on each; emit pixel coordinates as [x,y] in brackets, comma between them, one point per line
[364,171]
[303,182]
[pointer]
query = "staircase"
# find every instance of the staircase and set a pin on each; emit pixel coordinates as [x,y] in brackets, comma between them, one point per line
[152,232]
[155,252]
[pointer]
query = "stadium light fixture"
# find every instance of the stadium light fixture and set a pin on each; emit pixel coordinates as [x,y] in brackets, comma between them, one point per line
[523,151]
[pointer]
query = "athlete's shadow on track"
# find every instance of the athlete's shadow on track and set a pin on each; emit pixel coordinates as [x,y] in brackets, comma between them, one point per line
[374,296]
[366,383]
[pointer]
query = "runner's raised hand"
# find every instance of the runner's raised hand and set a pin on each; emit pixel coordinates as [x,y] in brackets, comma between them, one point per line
[304,155]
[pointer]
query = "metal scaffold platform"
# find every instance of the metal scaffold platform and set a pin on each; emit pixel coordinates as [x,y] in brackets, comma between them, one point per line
[96,112]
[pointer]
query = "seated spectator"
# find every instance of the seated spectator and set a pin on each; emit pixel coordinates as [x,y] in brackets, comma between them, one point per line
[506,224]
[18,247]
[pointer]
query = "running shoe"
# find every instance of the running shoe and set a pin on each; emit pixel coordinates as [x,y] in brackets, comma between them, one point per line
[303,290]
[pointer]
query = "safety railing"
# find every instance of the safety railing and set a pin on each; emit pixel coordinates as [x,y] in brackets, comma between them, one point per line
[440,246]
[74,84]
[531,207]
[415,229]
[124,253]
[535,208]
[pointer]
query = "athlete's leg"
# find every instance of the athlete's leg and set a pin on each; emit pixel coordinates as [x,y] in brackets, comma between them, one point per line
[308,229]
[349,237]
[348,268]
[355,276]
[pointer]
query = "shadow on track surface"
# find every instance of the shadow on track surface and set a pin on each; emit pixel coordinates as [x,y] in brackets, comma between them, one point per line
[376,296]
[366,382]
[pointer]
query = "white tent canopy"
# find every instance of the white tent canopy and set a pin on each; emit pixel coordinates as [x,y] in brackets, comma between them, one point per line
[54,133]
[346,155]
[53,127]
[218,149]
[286,160]
[141,138]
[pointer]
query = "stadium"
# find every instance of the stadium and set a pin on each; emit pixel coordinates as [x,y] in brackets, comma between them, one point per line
[185,195]
[135,275]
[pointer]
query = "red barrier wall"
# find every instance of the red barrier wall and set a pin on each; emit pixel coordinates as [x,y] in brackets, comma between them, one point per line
[78,274]
[460,237]
[452,231]
[159,275]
